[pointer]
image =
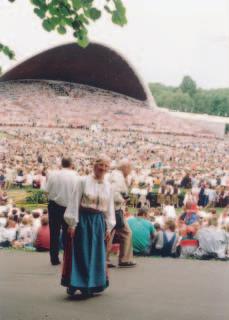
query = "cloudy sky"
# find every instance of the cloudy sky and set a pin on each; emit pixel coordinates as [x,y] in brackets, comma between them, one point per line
[164,39]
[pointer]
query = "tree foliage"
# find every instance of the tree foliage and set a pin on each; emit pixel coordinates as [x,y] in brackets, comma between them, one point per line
[188,98]
[188,86]
[73,16]
[7,52]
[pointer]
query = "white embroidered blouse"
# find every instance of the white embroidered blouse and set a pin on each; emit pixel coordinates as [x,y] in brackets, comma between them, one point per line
[90,193]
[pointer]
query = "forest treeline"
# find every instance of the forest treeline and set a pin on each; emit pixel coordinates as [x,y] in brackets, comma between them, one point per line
[189,98]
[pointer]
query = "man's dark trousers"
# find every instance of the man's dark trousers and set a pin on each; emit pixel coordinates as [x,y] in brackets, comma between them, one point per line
[56,223]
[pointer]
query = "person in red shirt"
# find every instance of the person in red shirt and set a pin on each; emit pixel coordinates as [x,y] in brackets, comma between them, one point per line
[42,242]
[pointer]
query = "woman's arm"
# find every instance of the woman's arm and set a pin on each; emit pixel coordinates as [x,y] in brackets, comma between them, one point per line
[110,215]
[71,215]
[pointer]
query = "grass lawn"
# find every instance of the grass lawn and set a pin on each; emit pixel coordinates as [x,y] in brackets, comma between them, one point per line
[19,197]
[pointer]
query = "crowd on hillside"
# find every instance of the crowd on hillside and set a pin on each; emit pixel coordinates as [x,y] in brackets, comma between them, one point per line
[169,173]
[175,168]
[53,104]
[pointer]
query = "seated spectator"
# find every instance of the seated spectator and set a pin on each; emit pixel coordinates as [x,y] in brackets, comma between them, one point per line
[189,220]
[224,218]
[45,211]
[213,213]
[188,245]
[36,222]
[158,217]
[42,242]
[3,219]
[203,214]
[25,234]
[127,213]
[169,211]
[8,234]
[142,232]
[165,243]
[155,250]
[3,198]
[227,236]
[212,241]
[188,225]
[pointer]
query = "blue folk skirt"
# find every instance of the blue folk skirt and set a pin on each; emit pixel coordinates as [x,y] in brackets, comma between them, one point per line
[85,256]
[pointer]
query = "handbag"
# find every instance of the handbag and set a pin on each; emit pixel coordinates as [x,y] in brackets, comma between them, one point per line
[119,216]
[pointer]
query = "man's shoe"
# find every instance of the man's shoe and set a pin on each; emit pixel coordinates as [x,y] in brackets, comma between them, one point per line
[127,264]
[111,265]
[55,263]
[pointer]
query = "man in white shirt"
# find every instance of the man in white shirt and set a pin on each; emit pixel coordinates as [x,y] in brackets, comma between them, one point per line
[212,241]
[118,180]
[60,185]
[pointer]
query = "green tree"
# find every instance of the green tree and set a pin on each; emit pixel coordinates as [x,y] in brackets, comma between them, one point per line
[72,16]
[180,101]
[188,86]
[219,105]
[213,102]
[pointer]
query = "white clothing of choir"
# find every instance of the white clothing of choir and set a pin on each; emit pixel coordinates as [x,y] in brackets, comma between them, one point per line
[60,185]
[92,194]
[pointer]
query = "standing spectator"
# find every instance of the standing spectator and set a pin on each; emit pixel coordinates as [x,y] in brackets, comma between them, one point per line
[186,182]
[60,185]
[203,196]
[119,184]
[20,178]
[2,179]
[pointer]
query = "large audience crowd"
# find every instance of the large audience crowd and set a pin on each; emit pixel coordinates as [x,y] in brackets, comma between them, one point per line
[176,186]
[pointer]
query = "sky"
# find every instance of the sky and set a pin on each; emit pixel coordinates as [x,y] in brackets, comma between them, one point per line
[164,39]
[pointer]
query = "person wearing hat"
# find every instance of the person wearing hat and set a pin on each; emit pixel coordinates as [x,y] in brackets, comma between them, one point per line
[118,179]
[90,217]
[60,185]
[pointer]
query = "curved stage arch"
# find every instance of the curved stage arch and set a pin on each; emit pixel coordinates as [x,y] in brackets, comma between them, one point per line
[97,66]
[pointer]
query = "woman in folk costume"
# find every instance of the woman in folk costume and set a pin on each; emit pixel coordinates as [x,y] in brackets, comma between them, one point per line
[90,216]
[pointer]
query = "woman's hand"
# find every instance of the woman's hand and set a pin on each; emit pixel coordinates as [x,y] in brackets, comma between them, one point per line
[71,232]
